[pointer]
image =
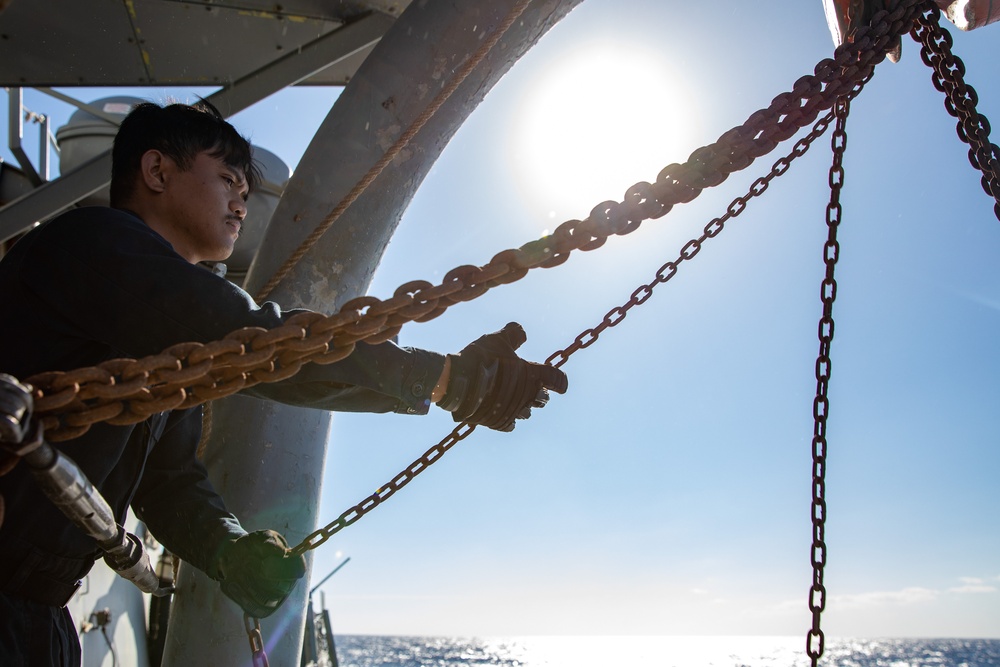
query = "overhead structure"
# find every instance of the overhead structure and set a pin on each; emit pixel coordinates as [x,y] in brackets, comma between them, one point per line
[248,48]
[844,17]
[138,43]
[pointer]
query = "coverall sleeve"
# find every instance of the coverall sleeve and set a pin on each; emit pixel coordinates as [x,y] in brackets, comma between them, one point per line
[122,284]
[177,502]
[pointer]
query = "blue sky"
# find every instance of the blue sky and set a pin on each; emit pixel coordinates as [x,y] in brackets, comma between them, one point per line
[668,491]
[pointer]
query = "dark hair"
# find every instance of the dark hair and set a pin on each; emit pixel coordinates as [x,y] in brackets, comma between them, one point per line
[181,132]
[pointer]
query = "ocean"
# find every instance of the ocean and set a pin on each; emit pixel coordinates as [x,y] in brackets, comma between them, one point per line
[384,651]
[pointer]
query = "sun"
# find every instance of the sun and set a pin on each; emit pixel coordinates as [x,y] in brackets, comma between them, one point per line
[596,121]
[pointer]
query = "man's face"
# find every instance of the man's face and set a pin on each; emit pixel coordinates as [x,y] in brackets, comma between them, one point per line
[206,205]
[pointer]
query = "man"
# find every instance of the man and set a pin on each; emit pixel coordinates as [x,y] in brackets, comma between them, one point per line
[101,283]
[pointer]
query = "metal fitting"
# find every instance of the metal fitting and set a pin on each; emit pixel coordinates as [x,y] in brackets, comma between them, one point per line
[70,490]
[126,556]
[16,405]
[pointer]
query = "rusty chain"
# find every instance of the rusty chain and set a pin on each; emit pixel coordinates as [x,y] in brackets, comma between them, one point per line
[350,516]
[258,655]
[126,391]
[974,130]
[585,339]
[821,404]
[960,99]
[642,294]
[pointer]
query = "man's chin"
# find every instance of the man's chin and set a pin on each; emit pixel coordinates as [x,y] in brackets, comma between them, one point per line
[223,254]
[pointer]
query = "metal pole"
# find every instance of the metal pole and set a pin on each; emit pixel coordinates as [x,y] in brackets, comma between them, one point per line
[327,577]
[309,650]
[15,134]
[43,148]
[331,646]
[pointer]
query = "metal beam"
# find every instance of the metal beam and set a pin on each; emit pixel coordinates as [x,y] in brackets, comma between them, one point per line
[43,202]
[83,106]
[312,58]
[13,183]
[58,195]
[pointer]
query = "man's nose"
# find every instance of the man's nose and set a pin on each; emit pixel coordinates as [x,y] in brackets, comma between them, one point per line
[239,207]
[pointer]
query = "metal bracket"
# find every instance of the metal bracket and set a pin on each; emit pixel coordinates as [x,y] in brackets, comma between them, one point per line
[15,134]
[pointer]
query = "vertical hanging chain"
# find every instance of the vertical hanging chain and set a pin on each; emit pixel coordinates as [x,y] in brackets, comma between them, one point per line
[252,626]
[821,405]
[961,99]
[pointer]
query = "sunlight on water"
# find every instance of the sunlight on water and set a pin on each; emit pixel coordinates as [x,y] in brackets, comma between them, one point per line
[665,651]
[370,651]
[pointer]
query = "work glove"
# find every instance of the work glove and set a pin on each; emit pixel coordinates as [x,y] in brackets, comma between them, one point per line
[258,572]
[490,385]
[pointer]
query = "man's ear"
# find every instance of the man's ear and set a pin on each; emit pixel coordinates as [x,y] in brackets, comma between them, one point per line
[153,169]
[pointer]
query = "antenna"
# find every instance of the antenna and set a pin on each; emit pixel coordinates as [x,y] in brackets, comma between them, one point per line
[333,572]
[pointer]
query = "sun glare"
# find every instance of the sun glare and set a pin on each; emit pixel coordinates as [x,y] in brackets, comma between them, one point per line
[596,122]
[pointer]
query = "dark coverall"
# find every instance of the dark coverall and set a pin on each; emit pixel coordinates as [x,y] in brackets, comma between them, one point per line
[97,284]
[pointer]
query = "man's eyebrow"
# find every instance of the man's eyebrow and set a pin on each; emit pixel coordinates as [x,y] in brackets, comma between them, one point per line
[238,174]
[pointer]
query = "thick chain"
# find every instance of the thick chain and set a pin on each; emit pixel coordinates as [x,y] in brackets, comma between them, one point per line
[126,391]
[960,100]
[642,294]
[585,339]
[821,405]
[252,626]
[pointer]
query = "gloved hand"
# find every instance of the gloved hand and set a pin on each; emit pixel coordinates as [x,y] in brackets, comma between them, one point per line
[258,572]
[490,385]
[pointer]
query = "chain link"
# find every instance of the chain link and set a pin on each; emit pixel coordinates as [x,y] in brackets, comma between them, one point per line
[585,339]
[960,99]
[128,391]
[642,293]
[821,405]
[252,626]
[382,494]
